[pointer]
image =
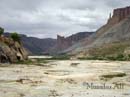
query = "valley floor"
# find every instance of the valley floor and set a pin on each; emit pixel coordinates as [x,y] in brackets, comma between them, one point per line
[70,78]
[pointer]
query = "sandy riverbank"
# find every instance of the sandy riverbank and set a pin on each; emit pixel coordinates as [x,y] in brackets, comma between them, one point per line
[64,79]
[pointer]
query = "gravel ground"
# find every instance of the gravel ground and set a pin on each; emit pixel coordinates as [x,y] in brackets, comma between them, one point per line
[70,78]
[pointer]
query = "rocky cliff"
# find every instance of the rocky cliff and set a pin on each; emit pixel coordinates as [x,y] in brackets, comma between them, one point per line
[64,43]
[119,15]
[116,30]
[11,51]
[36,46]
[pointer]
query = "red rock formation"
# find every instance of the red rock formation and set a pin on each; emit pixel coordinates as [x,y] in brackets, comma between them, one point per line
[65,42]
[62,42]
[119,15]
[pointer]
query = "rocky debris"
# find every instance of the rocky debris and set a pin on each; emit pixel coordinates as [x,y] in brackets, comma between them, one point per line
[11,51]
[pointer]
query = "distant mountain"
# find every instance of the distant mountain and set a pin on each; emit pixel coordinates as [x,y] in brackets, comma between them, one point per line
[64,43]
[111,39]
[36,46]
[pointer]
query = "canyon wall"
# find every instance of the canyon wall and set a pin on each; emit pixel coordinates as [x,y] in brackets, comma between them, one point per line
[115,32]
[119,15]
[65,42]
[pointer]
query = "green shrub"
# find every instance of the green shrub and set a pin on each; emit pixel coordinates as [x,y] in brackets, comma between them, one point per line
[31,62]
[92,58]
[119,57]
[111,58]
[27,62]
[15,37]
[60,57]
[1,31]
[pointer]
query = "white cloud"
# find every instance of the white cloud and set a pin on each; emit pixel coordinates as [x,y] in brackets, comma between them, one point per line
[47,18]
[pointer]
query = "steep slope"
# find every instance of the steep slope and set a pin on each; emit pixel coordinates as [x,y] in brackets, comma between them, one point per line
[116,30]
[117,38]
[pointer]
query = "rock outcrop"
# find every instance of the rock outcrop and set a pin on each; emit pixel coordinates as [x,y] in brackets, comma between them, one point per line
[62,42]
[65,42]
[119,15]
[36,46]
[11,51]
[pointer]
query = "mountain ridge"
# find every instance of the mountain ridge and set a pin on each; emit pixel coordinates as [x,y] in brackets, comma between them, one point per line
[64,43]
[117,29]
[46,46]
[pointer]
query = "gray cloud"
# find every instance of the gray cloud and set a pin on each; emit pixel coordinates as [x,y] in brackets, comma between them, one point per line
[47,18]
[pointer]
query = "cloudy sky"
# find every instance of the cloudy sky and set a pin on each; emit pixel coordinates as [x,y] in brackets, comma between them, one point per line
[47,18]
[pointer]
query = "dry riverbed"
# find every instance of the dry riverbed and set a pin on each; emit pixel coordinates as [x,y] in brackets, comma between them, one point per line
[66,79]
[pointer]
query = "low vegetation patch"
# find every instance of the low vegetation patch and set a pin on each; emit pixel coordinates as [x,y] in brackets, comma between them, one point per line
[92,58]
[31,62]
[36,61]
[118,57]
[74,64]
[112,75]
[60,57]
[112,51]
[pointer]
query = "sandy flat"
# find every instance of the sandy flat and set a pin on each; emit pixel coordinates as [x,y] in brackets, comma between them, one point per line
[63,79]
